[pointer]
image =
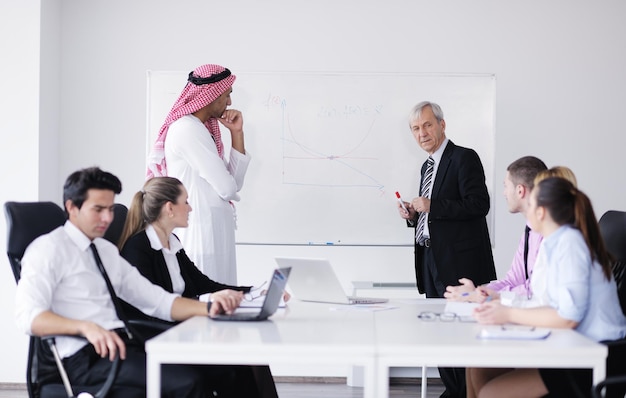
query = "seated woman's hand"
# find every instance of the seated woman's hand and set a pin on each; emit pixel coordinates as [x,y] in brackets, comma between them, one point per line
[286,295]
[226,300]
[492,313]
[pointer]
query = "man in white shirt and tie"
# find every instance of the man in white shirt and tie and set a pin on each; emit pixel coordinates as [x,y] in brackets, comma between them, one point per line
[63,292]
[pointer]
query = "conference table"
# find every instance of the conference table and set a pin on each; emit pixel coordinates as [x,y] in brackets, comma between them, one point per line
[301,334]
[403,339]
[375,338]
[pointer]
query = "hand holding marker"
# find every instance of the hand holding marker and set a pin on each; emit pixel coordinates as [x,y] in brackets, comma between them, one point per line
[401,202]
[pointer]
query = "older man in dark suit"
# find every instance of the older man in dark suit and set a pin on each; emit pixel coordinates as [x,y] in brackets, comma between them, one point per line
[451,236]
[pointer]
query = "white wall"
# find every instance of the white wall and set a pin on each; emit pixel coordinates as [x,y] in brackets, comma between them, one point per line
[29,123]
[19,152]
[559,67]
[50,102]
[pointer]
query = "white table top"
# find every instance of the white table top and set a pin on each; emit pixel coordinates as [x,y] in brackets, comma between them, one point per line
[317,333]
[401,335]
[300,329]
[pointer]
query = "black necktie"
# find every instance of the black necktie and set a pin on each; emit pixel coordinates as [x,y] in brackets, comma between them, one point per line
[116,304]
[526,235]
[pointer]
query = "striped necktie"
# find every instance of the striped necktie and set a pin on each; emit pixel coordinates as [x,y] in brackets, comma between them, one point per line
[425,192]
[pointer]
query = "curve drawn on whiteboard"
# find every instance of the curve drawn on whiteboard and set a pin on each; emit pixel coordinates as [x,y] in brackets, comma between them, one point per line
[296,153]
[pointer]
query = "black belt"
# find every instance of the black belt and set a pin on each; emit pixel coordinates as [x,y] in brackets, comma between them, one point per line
[427,242]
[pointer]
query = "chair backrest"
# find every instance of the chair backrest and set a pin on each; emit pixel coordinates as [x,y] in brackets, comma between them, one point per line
[114,232]
[25,222]
[612,226]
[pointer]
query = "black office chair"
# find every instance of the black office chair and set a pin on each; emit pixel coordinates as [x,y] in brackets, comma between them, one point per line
[612,226]
[114,232]
[26,222]
[613,229]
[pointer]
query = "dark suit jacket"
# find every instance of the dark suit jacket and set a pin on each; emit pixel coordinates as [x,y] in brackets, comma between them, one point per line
[457,224]
[151,264]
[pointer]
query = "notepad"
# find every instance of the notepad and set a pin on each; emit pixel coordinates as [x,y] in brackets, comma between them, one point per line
[462,310]
[513,332]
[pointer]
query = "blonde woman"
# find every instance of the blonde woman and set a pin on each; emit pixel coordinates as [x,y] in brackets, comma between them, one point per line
[148,243]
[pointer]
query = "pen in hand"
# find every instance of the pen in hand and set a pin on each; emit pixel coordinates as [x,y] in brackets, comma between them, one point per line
[401,202]
[486,297]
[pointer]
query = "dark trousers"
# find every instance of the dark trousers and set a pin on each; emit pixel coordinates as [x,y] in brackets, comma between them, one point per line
[433,287]
[453,378]
[236,381]
[87,368]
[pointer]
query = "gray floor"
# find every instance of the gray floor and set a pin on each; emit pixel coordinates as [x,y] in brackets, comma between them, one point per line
[287,389]
[403,389]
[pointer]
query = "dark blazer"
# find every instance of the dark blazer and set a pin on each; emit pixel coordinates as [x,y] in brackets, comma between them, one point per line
[151,264]
[251,381]
[457,224]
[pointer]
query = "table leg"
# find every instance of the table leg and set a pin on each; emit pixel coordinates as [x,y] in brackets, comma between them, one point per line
[153,376]
[599,372]
[371,381]
[382,381]
[424,380]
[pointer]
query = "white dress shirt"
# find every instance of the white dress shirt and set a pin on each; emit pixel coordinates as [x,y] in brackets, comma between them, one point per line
[567,279]
[59,274]
[178,283]
[577,288]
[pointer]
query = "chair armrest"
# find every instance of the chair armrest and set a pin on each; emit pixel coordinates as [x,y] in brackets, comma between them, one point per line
[615,382]
[609,381]
[106,386]
[158,325]
[145,329]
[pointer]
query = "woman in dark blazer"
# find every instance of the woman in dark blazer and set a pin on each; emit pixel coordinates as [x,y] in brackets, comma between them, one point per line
[138,251]
[148,243]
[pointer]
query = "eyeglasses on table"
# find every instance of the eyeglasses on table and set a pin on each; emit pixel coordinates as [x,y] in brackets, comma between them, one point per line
[430,316]
[255,292]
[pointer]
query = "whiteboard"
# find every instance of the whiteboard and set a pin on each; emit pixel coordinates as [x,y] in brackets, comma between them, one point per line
[329,150]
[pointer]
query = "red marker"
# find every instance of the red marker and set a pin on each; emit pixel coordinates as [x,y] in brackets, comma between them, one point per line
[401,202]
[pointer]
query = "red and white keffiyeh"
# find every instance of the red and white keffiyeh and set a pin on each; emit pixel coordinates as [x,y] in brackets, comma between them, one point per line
[192,99]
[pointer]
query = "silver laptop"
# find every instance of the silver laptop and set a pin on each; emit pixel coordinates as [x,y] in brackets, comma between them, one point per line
[313,279]
[270,304]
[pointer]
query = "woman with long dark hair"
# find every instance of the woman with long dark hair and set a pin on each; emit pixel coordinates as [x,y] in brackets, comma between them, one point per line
[579,293]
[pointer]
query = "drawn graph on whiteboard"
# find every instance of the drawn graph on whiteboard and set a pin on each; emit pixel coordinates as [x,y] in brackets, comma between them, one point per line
[336,148]
[327,145]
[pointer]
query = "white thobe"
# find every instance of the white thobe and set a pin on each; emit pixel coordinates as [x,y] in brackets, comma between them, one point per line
[212,184]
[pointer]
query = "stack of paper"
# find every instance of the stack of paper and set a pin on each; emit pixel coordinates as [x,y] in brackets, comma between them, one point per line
[463,310]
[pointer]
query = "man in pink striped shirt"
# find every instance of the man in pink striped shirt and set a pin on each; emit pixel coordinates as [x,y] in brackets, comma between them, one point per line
[518,183]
